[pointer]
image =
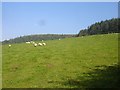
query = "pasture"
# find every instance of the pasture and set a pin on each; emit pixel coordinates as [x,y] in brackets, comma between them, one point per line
[81,62]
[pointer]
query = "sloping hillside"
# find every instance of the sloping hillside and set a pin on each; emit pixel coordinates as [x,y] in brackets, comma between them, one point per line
[83,62]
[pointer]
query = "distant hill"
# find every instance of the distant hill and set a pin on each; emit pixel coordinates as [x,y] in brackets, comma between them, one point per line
[103,27]
[38,37]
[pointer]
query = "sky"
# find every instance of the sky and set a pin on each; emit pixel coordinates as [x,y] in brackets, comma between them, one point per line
[60,0]
[26,18]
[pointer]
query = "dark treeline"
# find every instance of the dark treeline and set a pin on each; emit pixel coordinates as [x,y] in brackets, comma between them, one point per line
[103,27]
[38,37]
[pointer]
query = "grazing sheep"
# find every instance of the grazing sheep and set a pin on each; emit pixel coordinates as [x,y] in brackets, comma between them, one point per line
[42,40]
[28,42]
[40,44]
[9,45]
[59,39]
[44,44]
[35,44]
[32,42]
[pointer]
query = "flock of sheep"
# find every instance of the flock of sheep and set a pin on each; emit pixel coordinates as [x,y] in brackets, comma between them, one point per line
[34,44]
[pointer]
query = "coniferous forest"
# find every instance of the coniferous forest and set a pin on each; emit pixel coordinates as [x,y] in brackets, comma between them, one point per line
[103,27]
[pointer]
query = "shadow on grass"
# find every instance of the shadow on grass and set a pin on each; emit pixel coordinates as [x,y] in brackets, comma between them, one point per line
[101,77]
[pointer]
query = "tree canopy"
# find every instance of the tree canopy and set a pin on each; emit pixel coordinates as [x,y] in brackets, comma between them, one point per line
[103,27]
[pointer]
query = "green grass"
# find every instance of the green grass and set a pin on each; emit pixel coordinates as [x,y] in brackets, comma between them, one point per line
[0,66]
[68,63]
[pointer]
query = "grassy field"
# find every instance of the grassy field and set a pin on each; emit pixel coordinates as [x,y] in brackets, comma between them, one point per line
[83,62]
[0,66]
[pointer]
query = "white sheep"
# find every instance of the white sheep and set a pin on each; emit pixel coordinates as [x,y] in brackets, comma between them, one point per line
[44,44]
[28,42]
[35,44]
[40,44]
[32,42]
[9,45]
[59,39]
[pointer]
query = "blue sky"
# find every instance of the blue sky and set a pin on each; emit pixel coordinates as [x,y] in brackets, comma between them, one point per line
[25,18]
